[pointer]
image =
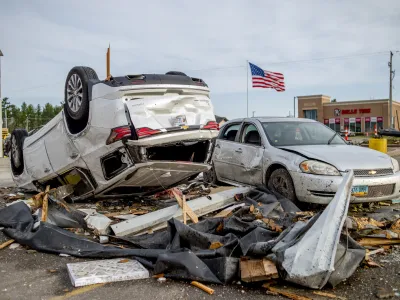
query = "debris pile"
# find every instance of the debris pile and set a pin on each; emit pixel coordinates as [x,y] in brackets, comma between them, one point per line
[205,235]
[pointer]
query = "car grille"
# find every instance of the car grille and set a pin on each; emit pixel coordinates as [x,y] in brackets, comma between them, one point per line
[379,172]
[323,194]
[379,191]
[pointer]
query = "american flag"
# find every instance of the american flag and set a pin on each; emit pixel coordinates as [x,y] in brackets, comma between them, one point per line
[267,79]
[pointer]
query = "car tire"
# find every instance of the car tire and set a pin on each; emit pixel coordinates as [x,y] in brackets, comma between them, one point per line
[76,92]
[281,182]
[210,177]
[17,158]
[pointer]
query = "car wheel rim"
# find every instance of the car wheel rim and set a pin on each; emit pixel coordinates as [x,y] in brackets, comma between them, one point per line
[74,92]
[15,152]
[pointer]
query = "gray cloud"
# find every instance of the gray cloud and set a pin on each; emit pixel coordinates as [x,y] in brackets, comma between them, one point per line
[42,40]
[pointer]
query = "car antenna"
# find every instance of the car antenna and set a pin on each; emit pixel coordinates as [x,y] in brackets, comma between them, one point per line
[108,78]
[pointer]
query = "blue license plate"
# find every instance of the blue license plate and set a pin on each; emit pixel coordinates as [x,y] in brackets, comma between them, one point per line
[361,190]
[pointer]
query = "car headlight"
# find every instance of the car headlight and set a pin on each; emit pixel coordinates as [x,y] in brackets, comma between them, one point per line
[318,168]
[395,163]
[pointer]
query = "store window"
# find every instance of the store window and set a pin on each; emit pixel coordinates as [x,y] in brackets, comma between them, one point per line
[380,122]
[310,114]
[352,122]
[337,125]
[373,123]
[367,124]
[358,125]
[332,124]
[346,124]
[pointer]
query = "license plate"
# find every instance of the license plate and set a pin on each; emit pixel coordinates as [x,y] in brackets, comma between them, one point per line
[359,191]
[180,120]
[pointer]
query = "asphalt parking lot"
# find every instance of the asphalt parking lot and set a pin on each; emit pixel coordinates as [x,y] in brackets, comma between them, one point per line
[28,274]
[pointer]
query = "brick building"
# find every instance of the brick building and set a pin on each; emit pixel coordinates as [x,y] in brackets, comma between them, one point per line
[357,116]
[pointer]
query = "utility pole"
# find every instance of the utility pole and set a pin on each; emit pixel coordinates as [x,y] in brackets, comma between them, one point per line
[27,123]
[253,113]
[294,107]
[391,76]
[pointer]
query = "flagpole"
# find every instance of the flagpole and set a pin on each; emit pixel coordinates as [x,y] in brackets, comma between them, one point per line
[247,86]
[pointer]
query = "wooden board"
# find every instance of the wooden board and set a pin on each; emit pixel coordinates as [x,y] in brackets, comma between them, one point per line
[252,270]
[378,241]
[227,212]
[186,210]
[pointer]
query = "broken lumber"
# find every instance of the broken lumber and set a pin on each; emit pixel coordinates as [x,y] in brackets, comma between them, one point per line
[227,212]
[252,270]
[378,241]
[369,253]
[6,244]
[287,294]
[185,208]
[45,204]
[202,287]
[323,294]
[200,206]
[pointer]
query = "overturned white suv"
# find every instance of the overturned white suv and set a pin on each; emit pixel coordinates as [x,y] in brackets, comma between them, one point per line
[127,135]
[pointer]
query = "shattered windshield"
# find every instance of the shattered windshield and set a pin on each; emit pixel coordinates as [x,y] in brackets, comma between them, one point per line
[300,133]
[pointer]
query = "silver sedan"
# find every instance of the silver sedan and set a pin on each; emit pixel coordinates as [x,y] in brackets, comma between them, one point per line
[301,159]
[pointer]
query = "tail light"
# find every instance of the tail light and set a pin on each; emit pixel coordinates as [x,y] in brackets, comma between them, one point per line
[118,134]
[145,132]
[211,125]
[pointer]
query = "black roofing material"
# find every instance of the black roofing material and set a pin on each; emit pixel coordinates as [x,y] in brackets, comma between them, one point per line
[183,251]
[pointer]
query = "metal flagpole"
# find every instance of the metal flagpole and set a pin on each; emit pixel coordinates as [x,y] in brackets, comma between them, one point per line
[247,86]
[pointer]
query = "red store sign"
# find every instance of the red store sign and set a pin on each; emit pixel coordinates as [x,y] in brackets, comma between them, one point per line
[355,110]
[346,120]
[380,119]
[337,121]
[326,121]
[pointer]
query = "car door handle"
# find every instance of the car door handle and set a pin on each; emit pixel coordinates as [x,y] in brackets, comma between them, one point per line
[47,170]
[239,150]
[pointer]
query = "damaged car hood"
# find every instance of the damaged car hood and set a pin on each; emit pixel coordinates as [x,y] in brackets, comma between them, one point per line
[344,157]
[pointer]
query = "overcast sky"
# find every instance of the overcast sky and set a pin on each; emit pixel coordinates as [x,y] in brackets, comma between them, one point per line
[43,40]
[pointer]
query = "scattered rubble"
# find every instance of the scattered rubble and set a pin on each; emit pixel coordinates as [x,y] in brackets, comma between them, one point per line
[194,233]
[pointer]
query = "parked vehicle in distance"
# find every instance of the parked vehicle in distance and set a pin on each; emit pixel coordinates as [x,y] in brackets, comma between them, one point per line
[129,134]
[301,159]
[389,132]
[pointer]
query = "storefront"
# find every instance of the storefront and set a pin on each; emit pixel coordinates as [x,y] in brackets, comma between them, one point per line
[356,116]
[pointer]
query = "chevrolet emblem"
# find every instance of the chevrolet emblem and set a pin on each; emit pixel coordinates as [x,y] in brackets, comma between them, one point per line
[185,127]
[372,172]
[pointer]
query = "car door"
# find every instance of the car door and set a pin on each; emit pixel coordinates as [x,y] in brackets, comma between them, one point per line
[249,155]
[224,149]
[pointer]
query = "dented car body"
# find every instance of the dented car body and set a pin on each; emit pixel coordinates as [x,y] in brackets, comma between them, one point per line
[136,133]
[302,159]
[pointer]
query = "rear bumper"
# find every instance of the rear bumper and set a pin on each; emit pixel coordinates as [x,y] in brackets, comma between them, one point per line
[167,138]
[321,189]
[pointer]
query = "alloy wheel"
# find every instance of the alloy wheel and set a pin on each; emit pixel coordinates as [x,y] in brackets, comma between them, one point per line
[74,92]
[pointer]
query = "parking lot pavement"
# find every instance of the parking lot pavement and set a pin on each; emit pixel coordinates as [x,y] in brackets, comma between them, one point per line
[5,173]
[44,276]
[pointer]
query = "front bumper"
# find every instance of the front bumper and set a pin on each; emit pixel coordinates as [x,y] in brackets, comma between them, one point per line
[321,189]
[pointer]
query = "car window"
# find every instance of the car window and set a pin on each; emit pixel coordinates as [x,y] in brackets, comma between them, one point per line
[230,132]
[250,135]
[300,133]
